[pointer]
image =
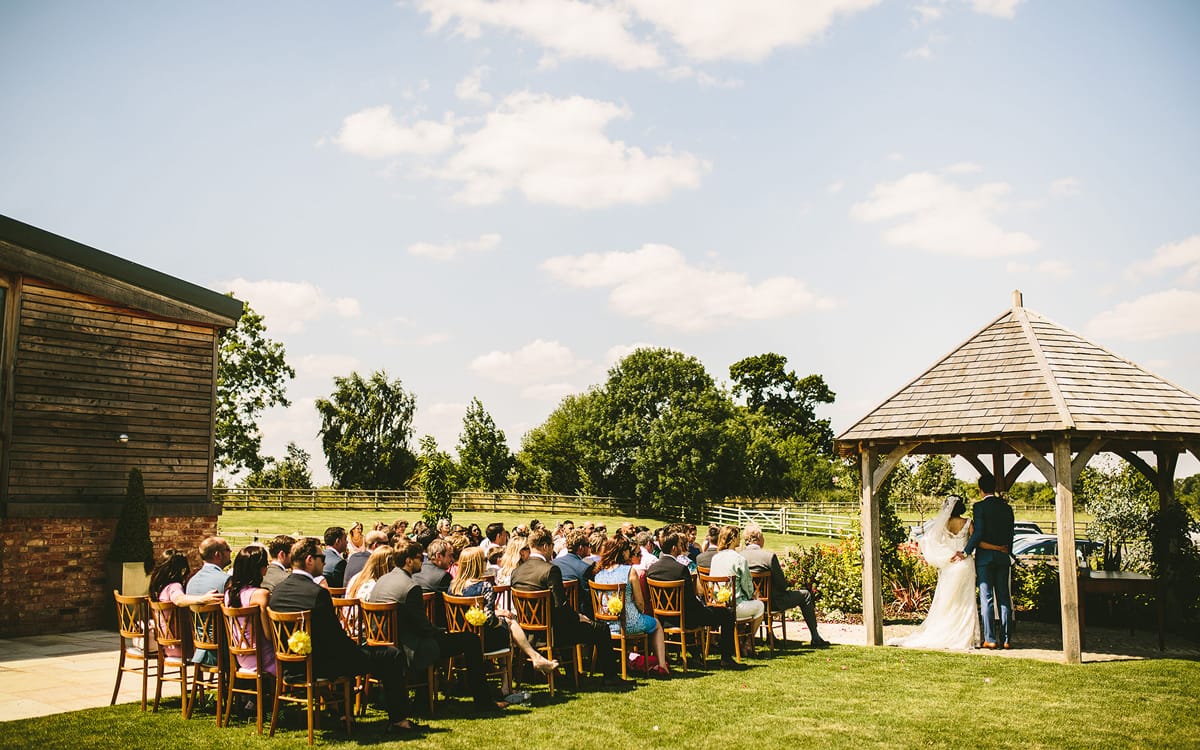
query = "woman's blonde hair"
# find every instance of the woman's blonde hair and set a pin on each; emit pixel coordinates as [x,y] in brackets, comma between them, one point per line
[512,557]
[728,538]
[471,565]
[377,566]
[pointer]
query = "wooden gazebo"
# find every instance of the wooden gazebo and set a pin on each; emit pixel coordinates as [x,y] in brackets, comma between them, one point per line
[1026,387]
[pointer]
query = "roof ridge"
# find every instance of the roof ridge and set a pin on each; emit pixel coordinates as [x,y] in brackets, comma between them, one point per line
[1039,355]
[926,371]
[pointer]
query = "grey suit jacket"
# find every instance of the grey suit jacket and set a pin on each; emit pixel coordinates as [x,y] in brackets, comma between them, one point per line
[762,561]
[416,634]
[432,578]
[273,576]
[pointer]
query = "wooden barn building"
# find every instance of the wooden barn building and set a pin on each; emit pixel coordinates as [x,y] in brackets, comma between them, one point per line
[105,366]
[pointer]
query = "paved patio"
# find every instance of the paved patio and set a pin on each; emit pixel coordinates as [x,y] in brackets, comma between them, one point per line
[49,674]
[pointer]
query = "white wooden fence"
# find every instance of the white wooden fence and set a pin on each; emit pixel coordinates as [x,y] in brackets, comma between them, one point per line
[785,520]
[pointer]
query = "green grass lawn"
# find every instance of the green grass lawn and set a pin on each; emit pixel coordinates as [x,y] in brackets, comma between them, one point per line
[846,697]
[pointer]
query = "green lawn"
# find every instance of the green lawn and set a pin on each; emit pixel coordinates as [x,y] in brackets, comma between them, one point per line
[846,697]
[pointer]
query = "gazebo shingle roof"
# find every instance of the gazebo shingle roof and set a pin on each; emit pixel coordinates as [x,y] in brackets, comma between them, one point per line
[1024,374]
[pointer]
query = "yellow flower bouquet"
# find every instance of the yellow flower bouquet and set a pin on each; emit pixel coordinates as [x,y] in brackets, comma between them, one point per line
[476,616]
[300,643]
[724,595]
[614,605]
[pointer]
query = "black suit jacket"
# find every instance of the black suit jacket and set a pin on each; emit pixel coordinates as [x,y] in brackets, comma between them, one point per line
[535,574]
[333,653]
[669,569]
[417,635]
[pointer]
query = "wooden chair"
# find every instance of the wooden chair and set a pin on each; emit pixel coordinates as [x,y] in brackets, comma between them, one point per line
[349,614]
[762,592]
[456,622]
[337,591]
[168,631]
[709,586]
[702,571]
[571,586]
[137,635]
[208,632]
[503,593]
[532,610]
[666,601]
[380,628]
[601,593]
[308,689]
[243,634]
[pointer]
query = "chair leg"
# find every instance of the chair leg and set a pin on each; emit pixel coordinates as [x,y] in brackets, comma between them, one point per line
[120,674]
[308,708]
[145,681]
[346,706]
[158,682]
[258,687]
[229,686]
[275,703]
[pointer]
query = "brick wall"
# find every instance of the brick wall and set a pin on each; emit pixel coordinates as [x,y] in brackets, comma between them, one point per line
[52,571]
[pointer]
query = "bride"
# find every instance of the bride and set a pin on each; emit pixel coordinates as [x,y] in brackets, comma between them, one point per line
[953,619]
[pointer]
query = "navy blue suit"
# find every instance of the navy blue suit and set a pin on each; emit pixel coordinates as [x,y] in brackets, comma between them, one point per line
[993,523]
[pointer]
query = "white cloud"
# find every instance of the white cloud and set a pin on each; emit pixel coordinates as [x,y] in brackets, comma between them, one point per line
[996,8]
[376,134]
[940,216]
[619,352]
[1154,316]
[537,362]
[555,151]
[681,72]
[451,250]
[470,89]
[1065,187]
[442,420]
[568,28]
[927,13]
[963,167]
[325,366]
[287,305]
[834,188]
[1056,269]
[743,29]
[658,284]
[1178,256]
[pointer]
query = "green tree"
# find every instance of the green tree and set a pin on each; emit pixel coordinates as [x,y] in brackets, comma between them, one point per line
[564,450]
[786,399]
[436,475]
[131,540]
[291,471]
[252,373]
[366,426]
[483,455]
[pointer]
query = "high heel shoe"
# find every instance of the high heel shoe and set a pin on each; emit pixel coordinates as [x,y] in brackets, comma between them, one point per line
[660,671]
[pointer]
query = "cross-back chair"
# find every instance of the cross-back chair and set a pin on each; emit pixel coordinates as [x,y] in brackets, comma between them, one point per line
[666,601]
[306,689]
[243,636]
[762,592]
[710,586]
[533,612]
[349,614]
[623,641]
[208,674]
[137,642]
[456,622]
[380,628]
[168,631]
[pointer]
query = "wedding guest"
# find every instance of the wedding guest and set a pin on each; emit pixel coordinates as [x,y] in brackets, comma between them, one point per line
[166,585]
[378,565]
[727,562]
[458,543]
[575,568]
[335,560]
[354,563]
[671,567]
[782,598]
[354,539]
[215,553]
[433,575]
[495,536]
[709,548]
[644,541]
[515,553]
[615,566]
[475,534]
[443,528]
[280,567]
[244,589]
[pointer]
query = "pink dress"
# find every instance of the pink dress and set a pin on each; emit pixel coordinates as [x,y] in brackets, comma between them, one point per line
[266,652]
[166,595]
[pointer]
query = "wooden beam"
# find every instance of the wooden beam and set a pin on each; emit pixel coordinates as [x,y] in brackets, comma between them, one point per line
[1085,455]
[1015,471]
[1068,574]
[998,470]
[978,465]
[1037,459]
[1194,447]
[889,462]
[872,568]
[1138,463]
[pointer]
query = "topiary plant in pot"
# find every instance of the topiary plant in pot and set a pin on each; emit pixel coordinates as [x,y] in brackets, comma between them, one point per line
[131,556]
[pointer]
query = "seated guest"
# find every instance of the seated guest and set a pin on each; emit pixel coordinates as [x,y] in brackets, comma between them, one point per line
[354,563]
[670,567]
[575,568]
[335,560]
[500,625]
[570,627]
[495,536]
[443,528]
[475,534]
[355,542]
[424,644]
[378,565]
[280,567]
[458,543]
[493,562]
[782,598]
[595,541]
[708,549]
[615,567]
[215,553]
[166,585]
[727,562]
[244,589]
[515,553]
[334,654]
[433,575]
[644,542]
[692,548]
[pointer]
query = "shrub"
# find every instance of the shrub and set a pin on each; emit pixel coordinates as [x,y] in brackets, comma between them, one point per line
[909,586]
[832,572]
[131,540]
[1035,588]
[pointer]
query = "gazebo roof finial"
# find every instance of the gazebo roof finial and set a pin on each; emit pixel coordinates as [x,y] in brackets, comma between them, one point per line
[1017,299]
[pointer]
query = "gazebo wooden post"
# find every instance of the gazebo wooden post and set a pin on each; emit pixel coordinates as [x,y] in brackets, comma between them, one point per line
[872,594]
[1068,575]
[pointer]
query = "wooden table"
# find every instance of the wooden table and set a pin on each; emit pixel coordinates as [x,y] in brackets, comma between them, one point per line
[1120,582]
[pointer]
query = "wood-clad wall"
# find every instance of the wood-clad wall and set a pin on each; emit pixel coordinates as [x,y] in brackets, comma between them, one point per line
[86,371]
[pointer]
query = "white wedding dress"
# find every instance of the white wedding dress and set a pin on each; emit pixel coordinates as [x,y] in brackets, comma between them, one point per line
[953,619]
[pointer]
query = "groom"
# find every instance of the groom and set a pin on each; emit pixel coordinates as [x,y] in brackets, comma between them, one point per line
[992,535]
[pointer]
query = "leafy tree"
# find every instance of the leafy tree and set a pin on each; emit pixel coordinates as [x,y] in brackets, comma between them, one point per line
[483,455]
[1187,493]
[564,449]
[292,471]
[436,476]
[1120,500]
[777,466]
[366,426]
[251,377]
[786,399]
[934,476]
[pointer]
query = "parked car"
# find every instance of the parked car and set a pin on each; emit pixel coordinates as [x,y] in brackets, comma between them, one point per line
[1023,528]
[1033,547]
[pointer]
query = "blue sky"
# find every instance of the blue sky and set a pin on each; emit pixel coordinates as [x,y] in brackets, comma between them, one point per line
[500,198]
